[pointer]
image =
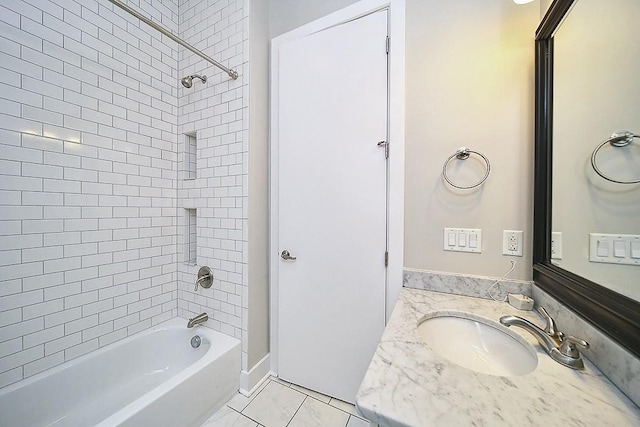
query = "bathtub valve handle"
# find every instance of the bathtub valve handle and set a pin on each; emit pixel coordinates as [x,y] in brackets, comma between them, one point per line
[205,278]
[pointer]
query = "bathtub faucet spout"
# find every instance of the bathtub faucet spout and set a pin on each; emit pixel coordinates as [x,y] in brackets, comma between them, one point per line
[200,318]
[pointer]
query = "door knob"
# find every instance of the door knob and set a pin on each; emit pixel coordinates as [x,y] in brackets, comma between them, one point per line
[285,255]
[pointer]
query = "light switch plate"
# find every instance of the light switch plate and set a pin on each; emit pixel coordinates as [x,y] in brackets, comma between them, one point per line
[635,249]
[556,245]
[462,240]
[619,248]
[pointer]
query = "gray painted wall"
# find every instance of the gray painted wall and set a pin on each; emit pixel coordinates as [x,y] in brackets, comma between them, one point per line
[469,82]
[286,15]
[258,299]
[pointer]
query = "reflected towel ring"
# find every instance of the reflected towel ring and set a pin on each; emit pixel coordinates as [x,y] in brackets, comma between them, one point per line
[620,138]
[463,154]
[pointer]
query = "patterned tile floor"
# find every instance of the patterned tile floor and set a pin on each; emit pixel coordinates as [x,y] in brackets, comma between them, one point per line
[280,404]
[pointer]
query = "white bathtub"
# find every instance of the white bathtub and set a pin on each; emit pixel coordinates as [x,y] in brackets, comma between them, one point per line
[154,378]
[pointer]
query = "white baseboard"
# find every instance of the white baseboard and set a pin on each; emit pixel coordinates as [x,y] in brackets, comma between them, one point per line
[252,379]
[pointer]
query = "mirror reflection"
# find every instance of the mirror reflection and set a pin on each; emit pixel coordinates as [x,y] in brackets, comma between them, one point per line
[596,92]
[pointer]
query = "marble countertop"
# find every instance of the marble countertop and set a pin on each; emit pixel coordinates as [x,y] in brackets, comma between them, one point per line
[408,384]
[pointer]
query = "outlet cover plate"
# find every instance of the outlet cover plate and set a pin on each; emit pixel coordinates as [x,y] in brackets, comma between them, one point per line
[512,242]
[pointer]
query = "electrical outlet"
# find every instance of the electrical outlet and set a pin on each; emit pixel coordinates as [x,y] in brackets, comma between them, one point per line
[556,245]
[512,241]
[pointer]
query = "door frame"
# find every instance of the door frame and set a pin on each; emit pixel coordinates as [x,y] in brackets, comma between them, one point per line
[395,225]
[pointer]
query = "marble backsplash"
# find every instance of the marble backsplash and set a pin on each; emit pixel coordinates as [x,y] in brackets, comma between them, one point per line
[620,366]
[460,284]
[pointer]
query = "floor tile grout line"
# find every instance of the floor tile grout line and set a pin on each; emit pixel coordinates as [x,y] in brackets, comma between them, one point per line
[349,415]
[263,388]
[331,406]
[255,395]
[246,416]
[360,418]
[251,399]
[295,413]
[326,403]
[259,390]
[302,392]
[348,419]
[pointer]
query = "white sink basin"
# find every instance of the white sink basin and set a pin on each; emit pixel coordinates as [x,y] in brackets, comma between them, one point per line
[477,344]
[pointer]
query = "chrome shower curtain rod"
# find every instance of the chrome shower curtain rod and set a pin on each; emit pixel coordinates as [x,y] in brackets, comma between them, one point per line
[233,74]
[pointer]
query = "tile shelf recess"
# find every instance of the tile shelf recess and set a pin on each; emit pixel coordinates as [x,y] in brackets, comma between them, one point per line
[189,173]
[189,160]
[190,236]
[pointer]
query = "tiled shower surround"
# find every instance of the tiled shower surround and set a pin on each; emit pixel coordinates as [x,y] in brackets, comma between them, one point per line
[215,112]
[92,118]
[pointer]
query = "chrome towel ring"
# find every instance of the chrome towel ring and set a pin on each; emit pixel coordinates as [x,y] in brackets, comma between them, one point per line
[620,138]
[463,154]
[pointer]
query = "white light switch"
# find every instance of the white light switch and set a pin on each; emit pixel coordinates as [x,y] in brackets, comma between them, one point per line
[462,240]
[614,248]
[556,245]
[603,248]
[635,249]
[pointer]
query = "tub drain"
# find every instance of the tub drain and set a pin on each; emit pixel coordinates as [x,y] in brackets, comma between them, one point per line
[195,341]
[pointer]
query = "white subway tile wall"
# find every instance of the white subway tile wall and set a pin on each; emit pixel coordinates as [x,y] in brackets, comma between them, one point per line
[217,112]
[91,113]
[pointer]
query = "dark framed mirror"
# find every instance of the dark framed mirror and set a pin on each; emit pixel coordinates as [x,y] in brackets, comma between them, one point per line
[614,313]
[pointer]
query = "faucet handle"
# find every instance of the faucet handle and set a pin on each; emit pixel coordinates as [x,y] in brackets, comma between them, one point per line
[569,346]
[205,278]
[550,328]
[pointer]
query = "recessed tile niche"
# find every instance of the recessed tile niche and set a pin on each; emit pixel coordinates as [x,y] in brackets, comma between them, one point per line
[190,236]
[188,163]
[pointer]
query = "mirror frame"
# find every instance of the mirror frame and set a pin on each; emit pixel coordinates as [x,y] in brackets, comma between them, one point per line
[618,316]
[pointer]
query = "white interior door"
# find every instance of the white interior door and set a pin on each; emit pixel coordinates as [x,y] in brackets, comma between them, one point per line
[332,112]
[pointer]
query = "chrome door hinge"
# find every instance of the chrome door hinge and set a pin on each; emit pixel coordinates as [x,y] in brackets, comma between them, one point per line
[386,259]
[388,44]
[384,144]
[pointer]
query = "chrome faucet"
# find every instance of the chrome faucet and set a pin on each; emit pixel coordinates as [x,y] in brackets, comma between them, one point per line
[563,349]
[200,318]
